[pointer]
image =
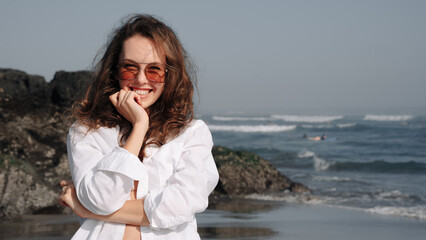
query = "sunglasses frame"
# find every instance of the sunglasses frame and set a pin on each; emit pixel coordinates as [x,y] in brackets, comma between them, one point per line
[138,65]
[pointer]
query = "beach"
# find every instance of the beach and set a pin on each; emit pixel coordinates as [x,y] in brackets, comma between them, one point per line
[367,180]
[277,220]
[252,219]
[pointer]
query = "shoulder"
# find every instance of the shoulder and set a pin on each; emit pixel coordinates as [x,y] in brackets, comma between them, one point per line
[81,132]
[196,131]
[196,126]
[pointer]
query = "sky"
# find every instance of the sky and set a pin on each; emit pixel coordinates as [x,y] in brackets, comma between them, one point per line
[252,57]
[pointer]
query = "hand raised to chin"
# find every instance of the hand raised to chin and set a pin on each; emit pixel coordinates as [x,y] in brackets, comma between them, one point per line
[129,105]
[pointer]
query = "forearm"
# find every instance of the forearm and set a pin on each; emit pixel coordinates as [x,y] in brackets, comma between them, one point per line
[132,213]
[135,140]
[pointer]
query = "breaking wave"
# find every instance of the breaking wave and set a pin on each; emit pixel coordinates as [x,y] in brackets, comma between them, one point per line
[319,163]
[411,212]
[346,125]
[220,118]
[308,119]
[286,197]
[252,128]
[331,179]
[305,154]
[418,212]
[394,118]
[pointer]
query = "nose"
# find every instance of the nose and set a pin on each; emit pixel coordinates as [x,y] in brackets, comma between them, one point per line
[141,78]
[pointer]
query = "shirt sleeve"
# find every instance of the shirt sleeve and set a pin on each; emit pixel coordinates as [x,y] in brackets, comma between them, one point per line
[187,190]
[103,181]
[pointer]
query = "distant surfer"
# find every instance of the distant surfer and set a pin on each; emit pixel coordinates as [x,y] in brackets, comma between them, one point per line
[317,138]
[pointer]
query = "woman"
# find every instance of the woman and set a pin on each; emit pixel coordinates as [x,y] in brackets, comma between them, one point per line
[141,165]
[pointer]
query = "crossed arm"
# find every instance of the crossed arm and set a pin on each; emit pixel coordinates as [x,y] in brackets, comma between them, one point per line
[185,193]
[132,211]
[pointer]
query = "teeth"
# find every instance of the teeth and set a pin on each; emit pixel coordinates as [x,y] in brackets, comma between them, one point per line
[142,92]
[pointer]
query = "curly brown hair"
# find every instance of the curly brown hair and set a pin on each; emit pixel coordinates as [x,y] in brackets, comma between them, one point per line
[170,113]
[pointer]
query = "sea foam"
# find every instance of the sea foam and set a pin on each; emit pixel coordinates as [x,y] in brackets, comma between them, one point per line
[346,125]
[287,197]
[221,118]
[411,212]
[371,117]
[305,154]
[308,119]
[252,128]
[331,179]
[319,163]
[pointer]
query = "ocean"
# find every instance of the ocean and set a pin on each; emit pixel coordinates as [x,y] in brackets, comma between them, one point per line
[374,163]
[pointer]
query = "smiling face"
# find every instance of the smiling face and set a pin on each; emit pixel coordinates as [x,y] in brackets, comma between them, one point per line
[139,50]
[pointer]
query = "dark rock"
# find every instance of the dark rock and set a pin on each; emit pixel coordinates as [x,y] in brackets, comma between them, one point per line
[38,137]
[32,161]
[299,188]
[242,173]
[33,134]
[22,189]
[69,86]
[20,90]
[17,86]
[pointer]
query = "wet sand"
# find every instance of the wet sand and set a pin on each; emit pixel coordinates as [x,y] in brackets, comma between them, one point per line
[246,219]
[307,222]
[37,227]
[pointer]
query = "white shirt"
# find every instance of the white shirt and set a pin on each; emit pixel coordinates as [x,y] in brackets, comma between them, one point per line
[175,180]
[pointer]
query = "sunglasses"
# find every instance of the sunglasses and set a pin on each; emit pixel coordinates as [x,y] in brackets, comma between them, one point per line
[129,70]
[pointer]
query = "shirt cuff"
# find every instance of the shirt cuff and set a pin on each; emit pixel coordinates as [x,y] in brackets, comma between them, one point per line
[157,220]
[123,162]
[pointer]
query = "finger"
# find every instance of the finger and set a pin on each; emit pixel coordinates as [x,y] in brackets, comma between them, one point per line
[127,100]
[65,183]
[126,88]
[62,202]
[114,99]
[138,99]
[121,97]
[130,97]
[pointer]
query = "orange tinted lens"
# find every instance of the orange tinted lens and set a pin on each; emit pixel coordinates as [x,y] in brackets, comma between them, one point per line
[126,75]
[155,73]
[128,71]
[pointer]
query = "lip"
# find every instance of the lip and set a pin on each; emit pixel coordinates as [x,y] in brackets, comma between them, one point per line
[137,88]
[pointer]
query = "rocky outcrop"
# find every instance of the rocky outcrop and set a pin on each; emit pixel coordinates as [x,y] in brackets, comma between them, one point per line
[242,173]
[68,86]
[18,86]
[23,190]
[33,129]
[28,91]
[33,158]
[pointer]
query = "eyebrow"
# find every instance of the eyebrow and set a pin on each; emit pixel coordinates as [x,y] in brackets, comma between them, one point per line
[130,60]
